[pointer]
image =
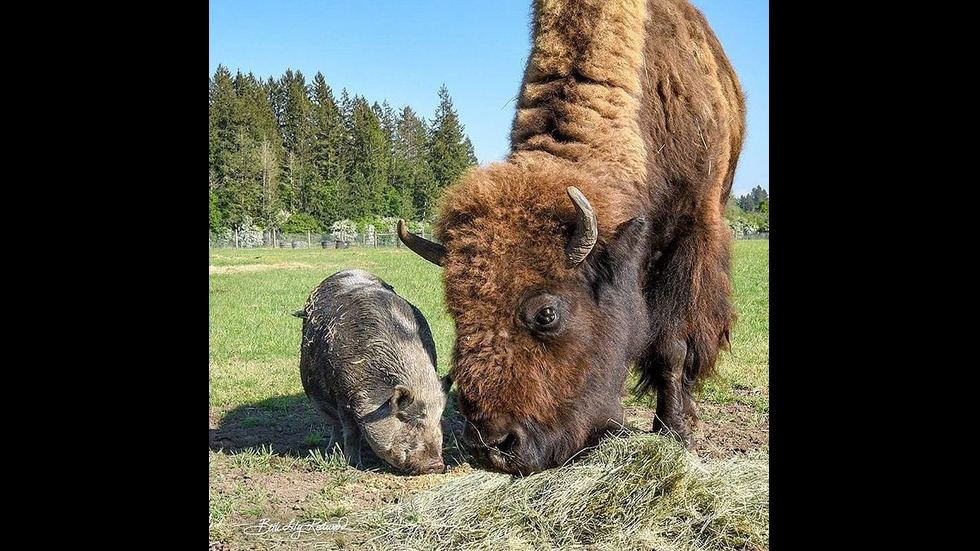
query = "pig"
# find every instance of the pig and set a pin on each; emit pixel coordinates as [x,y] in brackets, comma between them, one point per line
[367,362]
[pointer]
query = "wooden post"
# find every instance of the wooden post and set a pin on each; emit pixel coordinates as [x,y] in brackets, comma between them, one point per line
[309,239]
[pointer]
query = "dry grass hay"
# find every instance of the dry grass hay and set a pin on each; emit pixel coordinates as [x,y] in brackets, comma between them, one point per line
[637,492]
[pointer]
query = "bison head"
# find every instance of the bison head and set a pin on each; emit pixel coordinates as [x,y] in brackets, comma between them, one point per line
[545,299]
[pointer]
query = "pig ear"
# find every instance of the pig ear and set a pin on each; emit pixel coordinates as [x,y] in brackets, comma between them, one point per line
[401,398]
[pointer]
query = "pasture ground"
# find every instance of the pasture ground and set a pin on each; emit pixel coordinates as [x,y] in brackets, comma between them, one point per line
[272,487]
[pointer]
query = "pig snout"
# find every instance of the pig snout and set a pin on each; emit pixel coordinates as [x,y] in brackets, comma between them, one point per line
[433,466]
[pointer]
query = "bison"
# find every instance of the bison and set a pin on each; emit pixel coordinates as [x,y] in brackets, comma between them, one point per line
[600,240]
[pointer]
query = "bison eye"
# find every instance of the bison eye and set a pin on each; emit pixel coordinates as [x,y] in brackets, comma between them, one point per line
[541,312]
[546,317]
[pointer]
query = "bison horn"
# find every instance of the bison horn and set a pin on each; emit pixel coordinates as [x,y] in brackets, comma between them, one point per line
[586,229]
[433,252]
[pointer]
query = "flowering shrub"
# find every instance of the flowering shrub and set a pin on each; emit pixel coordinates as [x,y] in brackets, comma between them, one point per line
[343,230]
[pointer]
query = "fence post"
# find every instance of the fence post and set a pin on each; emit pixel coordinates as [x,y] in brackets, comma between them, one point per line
[309,239]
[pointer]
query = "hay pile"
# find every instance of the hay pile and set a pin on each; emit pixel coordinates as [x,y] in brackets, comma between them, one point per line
[640,492]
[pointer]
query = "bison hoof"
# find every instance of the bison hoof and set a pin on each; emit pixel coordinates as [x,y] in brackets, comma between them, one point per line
[677,431]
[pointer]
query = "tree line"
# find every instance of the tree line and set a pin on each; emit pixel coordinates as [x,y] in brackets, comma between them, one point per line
[749,213]
[288,155]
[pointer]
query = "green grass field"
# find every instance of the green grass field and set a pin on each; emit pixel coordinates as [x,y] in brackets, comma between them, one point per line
[253,341]
[263,457]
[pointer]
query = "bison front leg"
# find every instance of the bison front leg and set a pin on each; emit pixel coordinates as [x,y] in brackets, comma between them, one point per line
[674,397]
[691,321]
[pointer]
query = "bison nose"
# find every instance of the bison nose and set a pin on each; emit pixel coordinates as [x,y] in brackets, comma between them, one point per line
[435,466]
[502,453]
[482,438]
[512,449]
[496,449]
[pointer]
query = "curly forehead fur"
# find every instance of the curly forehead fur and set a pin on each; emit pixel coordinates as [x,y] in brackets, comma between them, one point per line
[634,103]
[491,268]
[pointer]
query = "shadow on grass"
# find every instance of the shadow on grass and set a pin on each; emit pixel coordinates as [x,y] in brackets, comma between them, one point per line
[290,426]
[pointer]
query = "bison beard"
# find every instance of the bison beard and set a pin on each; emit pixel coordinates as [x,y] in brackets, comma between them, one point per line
[600,241]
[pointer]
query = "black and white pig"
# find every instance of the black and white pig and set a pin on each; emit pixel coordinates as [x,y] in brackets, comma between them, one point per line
[367,362]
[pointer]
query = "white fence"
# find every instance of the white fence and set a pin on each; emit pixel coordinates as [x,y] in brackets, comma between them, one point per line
[327,241]
[301,241]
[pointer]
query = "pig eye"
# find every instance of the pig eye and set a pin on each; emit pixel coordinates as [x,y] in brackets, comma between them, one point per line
[546,317]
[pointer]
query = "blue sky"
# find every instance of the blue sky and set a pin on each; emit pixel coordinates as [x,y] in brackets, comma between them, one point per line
[403,51]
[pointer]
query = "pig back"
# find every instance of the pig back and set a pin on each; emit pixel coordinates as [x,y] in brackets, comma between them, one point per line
[360,339]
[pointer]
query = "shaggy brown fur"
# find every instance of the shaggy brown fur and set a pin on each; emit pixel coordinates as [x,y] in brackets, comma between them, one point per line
[634,103]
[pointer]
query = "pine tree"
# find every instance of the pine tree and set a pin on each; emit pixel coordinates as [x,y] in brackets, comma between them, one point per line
[221,119]
[254,109]
[412,179]
[386,119]
[325,150]
[759,196]
[388,123]
[240,188]
[292,105]
[327,130]
[256,119]
[449,153]
[342,193]
[471,159]
[751,201]
[237,130]
[213,145]
[369,160]
[221,109]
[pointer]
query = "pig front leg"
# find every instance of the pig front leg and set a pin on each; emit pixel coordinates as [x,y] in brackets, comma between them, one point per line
[352,439]
[336,432]
[331,416]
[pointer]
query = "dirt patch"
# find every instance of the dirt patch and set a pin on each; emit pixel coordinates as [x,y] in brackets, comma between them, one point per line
[733,429]
[249,268]
[723,430]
